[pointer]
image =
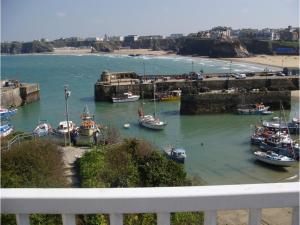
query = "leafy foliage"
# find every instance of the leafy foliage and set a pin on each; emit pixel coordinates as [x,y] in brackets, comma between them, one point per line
[32,164]
[133,163]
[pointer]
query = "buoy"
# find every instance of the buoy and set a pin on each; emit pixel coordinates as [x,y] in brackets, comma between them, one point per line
[126,125]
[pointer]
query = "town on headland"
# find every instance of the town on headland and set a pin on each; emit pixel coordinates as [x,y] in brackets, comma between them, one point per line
[217,42]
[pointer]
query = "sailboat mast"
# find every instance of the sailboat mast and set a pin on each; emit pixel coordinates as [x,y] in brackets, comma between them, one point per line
[154,90]
[285,123]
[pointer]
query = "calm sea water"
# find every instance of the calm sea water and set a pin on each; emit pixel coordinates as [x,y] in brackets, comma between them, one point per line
[218,148]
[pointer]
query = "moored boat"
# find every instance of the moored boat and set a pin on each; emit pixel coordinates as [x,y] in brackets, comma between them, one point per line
[127,97]
[5,130]
[174,95]
[151,121]
[7,113]
[273,158]
[43,129]
[176,154]
[87,126]
[62,128]
[257,109]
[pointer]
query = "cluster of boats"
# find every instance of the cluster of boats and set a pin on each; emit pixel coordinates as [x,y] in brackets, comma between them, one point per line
[5,127]
[152,121]
[87,127]
[275,142]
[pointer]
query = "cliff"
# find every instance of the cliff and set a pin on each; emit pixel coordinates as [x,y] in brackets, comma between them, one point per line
[26,47]
[213,48]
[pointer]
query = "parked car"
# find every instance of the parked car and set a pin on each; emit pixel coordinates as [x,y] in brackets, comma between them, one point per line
[280,74]
[240,76]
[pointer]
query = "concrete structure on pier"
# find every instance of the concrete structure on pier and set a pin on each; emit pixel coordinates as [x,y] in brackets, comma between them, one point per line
[115,84]
[14,93]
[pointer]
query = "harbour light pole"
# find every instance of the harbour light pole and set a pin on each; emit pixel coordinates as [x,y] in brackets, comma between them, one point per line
[67,95]
[192,66]
[144,70]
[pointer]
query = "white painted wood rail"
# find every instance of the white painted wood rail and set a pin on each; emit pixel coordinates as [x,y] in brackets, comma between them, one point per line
[162,201]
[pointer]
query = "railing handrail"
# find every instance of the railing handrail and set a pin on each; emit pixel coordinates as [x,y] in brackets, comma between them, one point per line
[16,138]
[143,200]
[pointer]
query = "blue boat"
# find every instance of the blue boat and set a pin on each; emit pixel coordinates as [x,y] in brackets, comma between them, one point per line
[176,154]
[5,130]
[5,114]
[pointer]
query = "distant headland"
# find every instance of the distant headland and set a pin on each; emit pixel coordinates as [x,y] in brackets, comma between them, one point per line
[219,42]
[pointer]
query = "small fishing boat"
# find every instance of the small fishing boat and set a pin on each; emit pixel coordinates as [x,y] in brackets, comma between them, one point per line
[176,154]
[7,113]
[87,126]
[276,124]
[43,129]
[174,95]
[267,112]
[274,159]
[62,128]
[5,130]
[257,109]
[127,97]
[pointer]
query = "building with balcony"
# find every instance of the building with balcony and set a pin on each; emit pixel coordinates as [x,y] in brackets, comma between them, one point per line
[94,39]
[267,34]
[175,36]
[220,32]
[151,37]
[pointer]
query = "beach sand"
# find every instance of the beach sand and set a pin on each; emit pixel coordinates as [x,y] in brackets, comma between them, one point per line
[268,60]
[87,51]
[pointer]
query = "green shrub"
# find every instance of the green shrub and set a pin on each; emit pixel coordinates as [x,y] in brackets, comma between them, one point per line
[33,164]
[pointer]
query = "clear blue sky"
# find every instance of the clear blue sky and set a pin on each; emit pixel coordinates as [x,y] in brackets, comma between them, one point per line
[25,20]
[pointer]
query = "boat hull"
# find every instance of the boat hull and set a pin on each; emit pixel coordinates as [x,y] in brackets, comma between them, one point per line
[274,162]
[152,125]
[123,100]
[6,132]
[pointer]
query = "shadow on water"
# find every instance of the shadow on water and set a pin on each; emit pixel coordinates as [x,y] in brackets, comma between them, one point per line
[265,165]
[87,99]
[170,113]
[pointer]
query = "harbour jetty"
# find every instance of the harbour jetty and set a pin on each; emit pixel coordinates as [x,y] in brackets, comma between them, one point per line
[14,93]
[221,102]
[117,83]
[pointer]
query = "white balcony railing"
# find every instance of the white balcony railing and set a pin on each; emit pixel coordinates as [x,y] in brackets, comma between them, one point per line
[162,201]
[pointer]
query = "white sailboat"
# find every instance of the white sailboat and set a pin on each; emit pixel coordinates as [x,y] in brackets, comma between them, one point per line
[151,121]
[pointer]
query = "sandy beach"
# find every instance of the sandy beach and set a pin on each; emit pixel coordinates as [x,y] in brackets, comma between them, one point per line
[268,60]
[87,51]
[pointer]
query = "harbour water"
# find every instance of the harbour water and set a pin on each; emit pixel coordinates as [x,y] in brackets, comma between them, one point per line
[218,146]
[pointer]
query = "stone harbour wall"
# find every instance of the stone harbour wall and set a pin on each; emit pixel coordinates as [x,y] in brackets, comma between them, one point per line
[202,103]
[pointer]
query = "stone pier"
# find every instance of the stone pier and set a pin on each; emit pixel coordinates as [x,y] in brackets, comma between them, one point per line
[202,103]
[14,94]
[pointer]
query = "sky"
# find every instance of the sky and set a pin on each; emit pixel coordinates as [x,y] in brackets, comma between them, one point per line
[26,20]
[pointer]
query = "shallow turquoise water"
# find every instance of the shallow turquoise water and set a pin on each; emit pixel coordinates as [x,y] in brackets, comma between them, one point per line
[218,148]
